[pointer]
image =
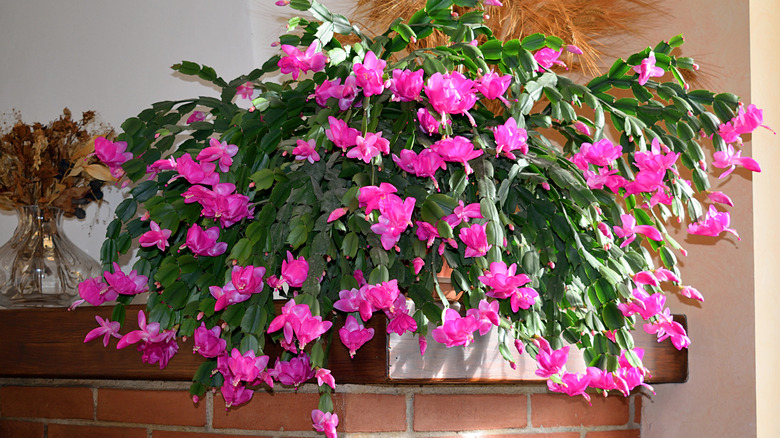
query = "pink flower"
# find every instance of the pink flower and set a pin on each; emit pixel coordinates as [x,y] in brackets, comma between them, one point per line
[197,173]
[630,229]
[658,159]
[337,213]
[664,327]
[400,321]
[691,292]
[406,85]
[282,2]
[295,271]
[720,197]
[456,330]
[126,284]
[293,372]
[644,304]
[244,281]
[458,150]
[646,181]
[486,315]
[196,116]
[306,151]
[581,127]
[112,154]
[418,264]
[325,422]
[296,62]
[731,160]
[236,395]
[546,58]
[289,321]
[493,86]
[423,165]
[713,223]
[503,283]
[218,151]
[245,367]
[450,94]
[155,237]
[462,213]
[571,48]
[647,69]
[601,379]
[423,343]
[353,300]
[369,197]
[204,243]
[748,121]
[96,292]
[428,123]
[208,342]
[395,217]
[107,329]
[165,164]
[551,362]
[602,153]
[156,346]
[325,378]
[245,90]
[573,384]
[369,147]
[340,134]
[475,238]
[368,74]
[492,3]
[309,329]
[606,177]
[510,138]
[383,296]
[353,335]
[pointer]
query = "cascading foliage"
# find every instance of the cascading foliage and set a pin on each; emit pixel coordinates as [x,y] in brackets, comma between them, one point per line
[346,188]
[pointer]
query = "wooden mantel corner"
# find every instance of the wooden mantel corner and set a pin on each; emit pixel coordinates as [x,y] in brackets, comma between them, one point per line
[49,343]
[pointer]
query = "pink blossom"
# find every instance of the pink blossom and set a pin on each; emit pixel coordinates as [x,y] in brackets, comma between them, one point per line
[382,296]
[282,2]
[551,362]
[325,422]
[245,90]
[418,264]
[546,58]
[646,278]
[601,153]
[197,173]
[457,150]
[428,123]
[309,329]
[601,379]
[455,330]
[236,395]
[573,384]
[663,274]
[126,284]
[462,213]
[713,223]
[305,150]
[324,377]
[486,314]
[423,165]
[289,321]
[644,304]
[400,321]
[112,154]
[96,292]
[728,158]
[369,73]
[406,85]
[370,146]
[156,346]
[245,367]
[450,94]
[581,127]
[353,335]
[664,327]
[605,177]
[337,213]
[647,69]
[395,217]
[218,151]
[510,138]
[475,238]
[423,344]
[293,372]
[691,292]
[645,181]
[107,329]
[492,3]
[340,134]
[630,229]
[244,281]
[426,232]
[204,243]
[502,280]
[658,159]
[720,197]
[165,164]
[344,93]
[369,197]
[353,300]
[155,237]
[493,86]
[748,121]
[196,116]
[571,48]
[295,271]
[208,342]
[296,62]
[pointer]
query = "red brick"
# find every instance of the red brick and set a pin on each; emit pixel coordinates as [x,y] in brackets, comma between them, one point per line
[373,413]
[456,412]
[74,431]
[150,407]
[171,434]
[46,402]
[269,411]
[21,429]
[550,410]
[638,409]
[633,433]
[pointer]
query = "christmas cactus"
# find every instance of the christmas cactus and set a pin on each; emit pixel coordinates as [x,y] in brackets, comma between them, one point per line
[346,188]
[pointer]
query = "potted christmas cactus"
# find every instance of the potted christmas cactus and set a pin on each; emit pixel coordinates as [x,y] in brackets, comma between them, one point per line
[346,188]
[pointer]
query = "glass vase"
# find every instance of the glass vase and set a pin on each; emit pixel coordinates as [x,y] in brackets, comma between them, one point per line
[39,265]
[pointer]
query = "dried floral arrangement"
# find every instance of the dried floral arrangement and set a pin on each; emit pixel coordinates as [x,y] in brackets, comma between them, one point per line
[52,165]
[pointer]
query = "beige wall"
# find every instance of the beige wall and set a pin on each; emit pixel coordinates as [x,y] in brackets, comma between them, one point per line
[764,36]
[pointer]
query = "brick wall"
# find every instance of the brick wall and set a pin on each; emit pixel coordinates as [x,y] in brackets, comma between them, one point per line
[84,409]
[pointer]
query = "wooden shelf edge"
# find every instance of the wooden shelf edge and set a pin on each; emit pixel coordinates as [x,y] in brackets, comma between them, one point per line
[49,343]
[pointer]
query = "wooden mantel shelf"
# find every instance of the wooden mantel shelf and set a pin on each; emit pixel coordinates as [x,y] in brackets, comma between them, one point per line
[49,343]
